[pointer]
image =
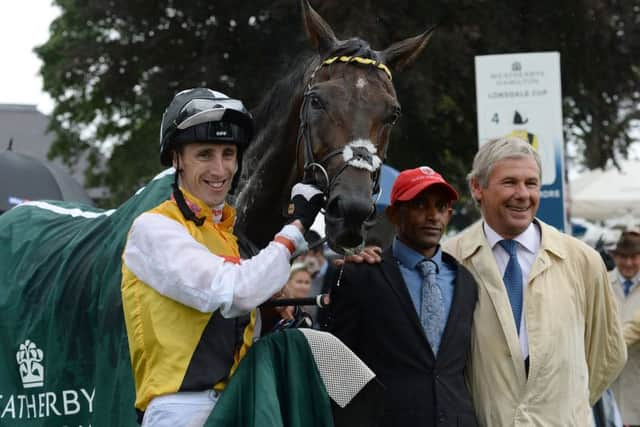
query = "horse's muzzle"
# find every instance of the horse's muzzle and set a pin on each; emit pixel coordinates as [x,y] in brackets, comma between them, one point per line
[344,223]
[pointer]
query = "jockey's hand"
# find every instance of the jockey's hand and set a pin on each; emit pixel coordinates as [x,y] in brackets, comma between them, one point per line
[306,202]
[369,254]
[286,312]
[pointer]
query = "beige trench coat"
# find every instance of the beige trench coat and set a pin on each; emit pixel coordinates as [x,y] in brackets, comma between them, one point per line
[632,330]
[627,387]
[576,348]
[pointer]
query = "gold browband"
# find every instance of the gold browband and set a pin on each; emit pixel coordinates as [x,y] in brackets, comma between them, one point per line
[359,60]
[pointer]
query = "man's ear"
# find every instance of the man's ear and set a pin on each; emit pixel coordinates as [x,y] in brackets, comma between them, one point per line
[449,214]
[175,159]
[476,190]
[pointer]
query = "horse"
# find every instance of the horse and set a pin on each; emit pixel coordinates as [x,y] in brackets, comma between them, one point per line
[63,349]
[328,123]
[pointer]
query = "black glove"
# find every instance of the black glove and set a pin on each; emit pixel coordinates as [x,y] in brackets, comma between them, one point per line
[306,202]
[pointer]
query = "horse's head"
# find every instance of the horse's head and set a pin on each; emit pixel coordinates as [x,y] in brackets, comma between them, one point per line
[346,116]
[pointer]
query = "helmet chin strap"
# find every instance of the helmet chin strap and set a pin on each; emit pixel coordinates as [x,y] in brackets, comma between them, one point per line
[179,197]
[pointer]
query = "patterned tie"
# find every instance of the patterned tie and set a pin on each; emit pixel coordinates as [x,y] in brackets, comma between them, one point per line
[432,305]
[513,280]
[627,287]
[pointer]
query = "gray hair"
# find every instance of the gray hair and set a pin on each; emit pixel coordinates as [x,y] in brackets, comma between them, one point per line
[509,147]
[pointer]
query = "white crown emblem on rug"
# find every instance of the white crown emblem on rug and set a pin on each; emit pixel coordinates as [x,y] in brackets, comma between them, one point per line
[31,370]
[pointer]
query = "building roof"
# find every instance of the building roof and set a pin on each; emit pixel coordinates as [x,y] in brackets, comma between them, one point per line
[26,127]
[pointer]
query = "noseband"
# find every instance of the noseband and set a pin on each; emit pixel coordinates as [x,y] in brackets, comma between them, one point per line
[359,154]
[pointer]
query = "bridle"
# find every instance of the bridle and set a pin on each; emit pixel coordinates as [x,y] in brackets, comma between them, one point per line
[358,154]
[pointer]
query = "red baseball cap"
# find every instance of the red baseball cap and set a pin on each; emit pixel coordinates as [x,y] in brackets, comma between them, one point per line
[413,181]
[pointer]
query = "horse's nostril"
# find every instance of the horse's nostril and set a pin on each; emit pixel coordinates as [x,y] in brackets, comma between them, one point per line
[357,212]
[351,210]
[333,207]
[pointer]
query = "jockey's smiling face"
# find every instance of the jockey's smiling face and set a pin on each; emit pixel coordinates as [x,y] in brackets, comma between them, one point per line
[207,170]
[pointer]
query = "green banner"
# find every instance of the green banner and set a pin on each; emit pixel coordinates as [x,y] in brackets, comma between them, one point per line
[64,357]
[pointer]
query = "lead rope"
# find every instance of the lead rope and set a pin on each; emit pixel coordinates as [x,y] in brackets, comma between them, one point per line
[344,258]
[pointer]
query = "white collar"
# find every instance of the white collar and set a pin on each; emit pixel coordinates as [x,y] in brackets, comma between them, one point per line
[529,239]
[635,279]
[216,212]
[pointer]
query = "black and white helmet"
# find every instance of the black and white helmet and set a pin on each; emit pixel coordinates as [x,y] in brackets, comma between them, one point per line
[204,115]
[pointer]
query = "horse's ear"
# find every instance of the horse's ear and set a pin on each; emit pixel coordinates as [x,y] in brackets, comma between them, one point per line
[320,33]
[403,53]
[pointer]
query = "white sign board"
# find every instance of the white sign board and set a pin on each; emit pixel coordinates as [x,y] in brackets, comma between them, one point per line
[520,94]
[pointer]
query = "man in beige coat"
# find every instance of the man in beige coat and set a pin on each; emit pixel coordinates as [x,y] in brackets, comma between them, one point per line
[544,351]
[624,281]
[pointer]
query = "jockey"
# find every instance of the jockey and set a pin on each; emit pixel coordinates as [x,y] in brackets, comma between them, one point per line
[189,301]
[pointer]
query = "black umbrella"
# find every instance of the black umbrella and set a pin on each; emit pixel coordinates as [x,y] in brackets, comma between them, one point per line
[24,178]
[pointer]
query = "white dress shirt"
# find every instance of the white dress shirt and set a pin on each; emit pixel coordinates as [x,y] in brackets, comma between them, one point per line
[527,250]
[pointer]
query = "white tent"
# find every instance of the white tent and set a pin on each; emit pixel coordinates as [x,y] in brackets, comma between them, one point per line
[606,195]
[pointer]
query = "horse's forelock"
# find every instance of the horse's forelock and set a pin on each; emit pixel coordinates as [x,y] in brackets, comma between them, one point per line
[355,47]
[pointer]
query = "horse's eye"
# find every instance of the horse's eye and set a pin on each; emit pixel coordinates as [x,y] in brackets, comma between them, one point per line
[397,112]
[394,116]
[316,102]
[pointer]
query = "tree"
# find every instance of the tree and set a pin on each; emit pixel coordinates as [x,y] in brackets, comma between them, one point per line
[112,67]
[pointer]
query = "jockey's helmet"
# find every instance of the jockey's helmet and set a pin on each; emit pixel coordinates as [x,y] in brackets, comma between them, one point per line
[204,115]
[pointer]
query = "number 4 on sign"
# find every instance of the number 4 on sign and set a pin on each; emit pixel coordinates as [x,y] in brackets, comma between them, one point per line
[495,118]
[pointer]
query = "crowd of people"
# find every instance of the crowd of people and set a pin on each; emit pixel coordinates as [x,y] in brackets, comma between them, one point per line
[508,323]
